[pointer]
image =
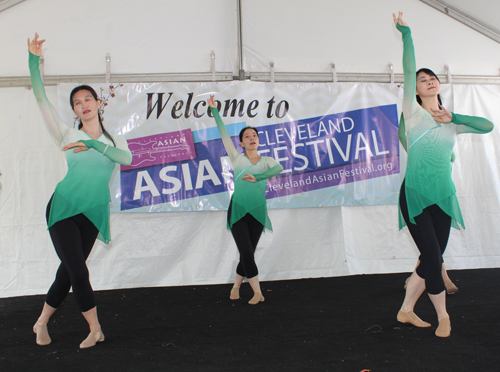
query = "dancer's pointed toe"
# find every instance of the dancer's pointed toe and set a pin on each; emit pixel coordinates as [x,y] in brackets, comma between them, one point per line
[450,287]
[257,298]
[42,334]
[444,328]
[93,338]
[235,293]
[406,282]
[412,318]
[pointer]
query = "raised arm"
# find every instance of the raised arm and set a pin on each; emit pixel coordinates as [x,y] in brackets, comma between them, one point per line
[409,66]
[56,127]
[226,139]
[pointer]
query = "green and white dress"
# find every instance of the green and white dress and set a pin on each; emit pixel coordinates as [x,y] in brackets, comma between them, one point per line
[85,188]
[429,145]
[248,197]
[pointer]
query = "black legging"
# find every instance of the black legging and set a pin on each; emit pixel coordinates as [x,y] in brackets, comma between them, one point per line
[430,233]
[246,233]
[73,239]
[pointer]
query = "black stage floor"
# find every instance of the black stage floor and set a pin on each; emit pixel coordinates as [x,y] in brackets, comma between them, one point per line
[328,324]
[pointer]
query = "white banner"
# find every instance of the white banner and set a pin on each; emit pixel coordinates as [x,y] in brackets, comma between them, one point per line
[337,143]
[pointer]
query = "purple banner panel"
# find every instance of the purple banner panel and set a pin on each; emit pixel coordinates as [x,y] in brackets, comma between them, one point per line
[316,153]
[348,173]
[329,141]
[161,148]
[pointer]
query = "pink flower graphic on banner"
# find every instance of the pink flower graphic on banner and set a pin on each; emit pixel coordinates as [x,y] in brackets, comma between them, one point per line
[161,148]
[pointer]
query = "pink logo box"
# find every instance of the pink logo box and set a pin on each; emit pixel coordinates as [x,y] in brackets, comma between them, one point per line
[161,149]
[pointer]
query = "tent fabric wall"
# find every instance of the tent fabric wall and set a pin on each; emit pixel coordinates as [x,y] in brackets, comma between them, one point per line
[161,249]
[158,249]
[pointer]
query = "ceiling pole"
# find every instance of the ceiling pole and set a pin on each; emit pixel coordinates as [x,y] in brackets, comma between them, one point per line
[465,18]
[241,75]
[8,3]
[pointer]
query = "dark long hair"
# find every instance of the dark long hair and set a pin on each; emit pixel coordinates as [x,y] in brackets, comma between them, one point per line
[94,94]
[430,73]
[243,131]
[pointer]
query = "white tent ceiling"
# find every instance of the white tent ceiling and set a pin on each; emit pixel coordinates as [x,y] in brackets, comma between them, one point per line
[5,4]
[153,37]
[474,19]
[486,11]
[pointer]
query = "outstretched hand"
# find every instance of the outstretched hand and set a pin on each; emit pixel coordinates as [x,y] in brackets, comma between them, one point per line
[78,146]
[35,46]
[399,19]
[211,101]
[442,116]
[249,177]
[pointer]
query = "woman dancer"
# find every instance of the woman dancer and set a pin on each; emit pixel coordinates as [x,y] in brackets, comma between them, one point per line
[427,200]
[78,211]
[247,212]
